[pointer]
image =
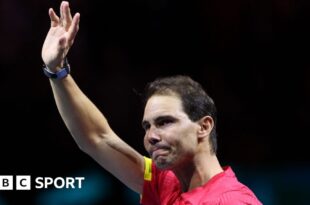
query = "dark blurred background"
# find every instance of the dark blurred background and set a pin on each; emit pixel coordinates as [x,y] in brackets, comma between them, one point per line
[252,56]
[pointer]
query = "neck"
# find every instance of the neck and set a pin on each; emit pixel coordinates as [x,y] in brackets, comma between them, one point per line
[199,172]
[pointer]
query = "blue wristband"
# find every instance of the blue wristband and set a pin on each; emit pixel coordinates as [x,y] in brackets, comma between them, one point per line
[65,70]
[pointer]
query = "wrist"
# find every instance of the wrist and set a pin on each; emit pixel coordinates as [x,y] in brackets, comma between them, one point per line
[62,72]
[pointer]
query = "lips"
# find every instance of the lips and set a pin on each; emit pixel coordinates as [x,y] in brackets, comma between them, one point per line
[159,151]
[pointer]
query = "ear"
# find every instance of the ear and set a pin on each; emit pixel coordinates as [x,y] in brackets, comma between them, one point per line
[206,125]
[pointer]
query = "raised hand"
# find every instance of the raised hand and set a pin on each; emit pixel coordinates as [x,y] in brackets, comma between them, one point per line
[60,37]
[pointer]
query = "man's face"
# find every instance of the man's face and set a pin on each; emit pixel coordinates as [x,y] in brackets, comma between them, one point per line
[170,136]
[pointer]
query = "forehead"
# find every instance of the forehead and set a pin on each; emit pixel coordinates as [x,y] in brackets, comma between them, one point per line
[163,105]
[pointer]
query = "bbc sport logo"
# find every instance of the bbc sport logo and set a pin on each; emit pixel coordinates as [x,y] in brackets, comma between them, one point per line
[24,182]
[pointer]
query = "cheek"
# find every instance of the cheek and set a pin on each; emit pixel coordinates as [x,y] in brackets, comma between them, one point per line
[188,140]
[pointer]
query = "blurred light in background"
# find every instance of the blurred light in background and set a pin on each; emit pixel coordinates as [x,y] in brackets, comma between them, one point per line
[131,197]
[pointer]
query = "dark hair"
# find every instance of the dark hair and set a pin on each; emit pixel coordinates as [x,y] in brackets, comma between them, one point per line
[195,101]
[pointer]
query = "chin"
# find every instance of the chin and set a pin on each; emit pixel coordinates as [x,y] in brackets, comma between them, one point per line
[163,164]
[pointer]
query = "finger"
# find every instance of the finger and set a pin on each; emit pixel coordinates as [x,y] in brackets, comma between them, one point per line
[67,16]
[62,12]
[73,29]
[54,18]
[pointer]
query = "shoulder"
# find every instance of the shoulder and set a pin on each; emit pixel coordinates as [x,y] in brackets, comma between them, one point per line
[238,198]
[225,189]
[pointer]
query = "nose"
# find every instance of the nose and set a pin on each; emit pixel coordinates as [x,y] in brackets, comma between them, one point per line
[152,136]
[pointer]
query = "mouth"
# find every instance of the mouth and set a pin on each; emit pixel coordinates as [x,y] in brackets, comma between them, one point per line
[159,152]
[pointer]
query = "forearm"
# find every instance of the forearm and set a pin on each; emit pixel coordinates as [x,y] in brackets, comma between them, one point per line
[94,136]
[83,119]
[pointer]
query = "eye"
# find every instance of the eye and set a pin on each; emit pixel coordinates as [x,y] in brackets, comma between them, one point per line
[164,122]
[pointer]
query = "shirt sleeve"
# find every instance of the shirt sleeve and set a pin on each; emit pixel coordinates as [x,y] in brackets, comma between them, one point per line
[149,195]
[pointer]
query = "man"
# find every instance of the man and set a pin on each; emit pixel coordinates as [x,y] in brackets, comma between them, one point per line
[179,122]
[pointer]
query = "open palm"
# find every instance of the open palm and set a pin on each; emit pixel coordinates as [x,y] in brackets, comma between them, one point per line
[60,37]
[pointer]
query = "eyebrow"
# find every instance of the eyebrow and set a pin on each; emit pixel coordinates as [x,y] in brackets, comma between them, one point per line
[158,119]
